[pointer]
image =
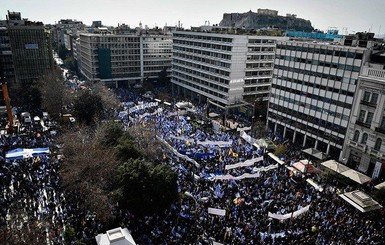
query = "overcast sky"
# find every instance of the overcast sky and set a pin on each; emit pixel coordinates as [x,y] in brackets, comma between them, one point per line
[355,15]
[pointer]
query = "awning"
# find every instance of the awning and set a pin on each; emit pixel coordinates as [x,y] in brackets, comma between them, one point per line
[315,153]
[361,201]
[335,166]
[356,176]
[305,167]
[380,186]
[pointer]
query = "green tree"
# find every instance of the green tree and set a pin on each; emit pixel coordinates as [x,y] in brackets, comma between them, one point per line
[71,64]
[111,132]
[63,52]
[145,188]
[88,107]
[280,150]
[127,149]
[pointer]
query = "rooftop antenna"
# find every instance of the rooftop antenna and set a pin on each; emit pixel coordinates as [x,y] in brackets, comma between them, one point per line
[379,30]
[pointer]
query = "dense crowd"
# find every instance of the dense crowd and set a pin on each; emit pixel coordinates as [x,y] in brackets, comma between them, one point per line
[32,186]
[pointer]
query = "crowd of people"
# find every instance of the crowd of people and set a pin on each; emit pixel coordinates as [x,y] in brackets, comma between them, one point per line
[32,186]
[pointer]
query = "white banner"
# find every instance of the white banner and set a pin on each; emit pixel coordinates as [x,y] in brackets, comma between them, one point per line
[267,168]
[217,211]
[377,170]
[289,215]
[241,177]
[142,106]
[218,143]
[246,163]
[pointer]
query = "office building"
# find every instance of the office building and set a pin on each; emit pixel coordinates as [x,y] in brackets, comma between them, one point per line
[26,49]
[364,147]
[122,59]
[312,93]
[227,70]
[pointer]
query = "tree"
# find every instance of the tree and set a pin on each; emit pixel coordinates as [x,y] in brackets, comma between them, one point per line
[126,149]
[71,64]
[63,52]
[145,188]
[88,107]
[89,169]
[52,91]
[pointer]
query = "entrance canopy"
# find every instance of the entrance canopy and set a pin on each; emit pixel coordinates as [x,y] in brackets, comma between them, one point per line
[361,201]
[346,171]
[315,153]
[335,166]
[304,166]
[356,176]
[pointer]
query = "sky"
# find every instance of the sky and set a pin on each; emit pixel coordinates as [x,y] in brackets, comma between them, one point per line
[348,16]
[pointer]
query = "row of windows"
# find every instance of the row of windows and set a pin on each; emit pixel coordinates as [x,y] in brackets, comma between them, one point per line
[259,73]
[204,45]
[157,51]
[126,51]
[319,50]
[257,81]
[370,97]
[124,57]
[202,67]
[201,82]
[307,128]
[157,63]
[311,107]
[319,63]
[115,39]
[257,89]
[364,139]
[365,117]
[201,75]
[203,60]
[200,88]
[261,49]
[208,38]
[315,85]
[118,45]
[115,63]
[263,41]
[260,57]
[259,65]
[202,52]
[315,74]
[313,96]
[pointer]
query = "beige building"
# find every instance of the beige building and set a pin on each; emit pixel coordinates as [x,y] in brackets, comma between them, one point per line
[364,147]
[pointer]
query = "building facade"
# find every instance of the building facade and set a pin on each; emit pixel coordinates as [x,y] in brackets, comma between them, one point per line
[225,69]
[26,49]
[364,147]
[312,93]
[121,59]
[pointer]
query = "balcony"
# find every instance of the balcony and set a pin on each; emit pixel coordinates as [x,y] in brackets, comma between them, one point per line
[380,130]
[367,103]
[373,73]
[366,125]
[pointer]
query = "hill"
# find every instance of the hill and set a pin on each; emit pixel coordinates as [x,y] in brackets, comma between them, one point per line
[251,20]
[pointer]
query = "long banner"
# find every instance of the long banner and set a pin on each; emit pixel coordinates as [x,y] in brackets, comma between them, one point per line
[230,177]
[143,106]
[289,215]
[218,143]
[246,163]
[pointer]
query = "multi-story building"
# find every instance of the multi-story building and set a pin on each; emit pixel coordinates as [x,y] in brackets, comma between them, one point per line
[27,50]
[224,69]
[312,93]
[121,59]
[64,30]
[364,147]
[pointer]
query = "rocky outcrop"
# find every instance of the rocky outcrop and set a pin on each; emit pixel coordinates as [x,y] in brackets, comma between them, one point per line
[251,20]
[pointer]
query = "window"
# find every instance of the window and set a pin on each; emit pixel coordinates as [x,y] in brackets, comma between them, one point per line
[377,146]
[364,138]
[356,135]
[366,96]
[383,122]
[369,118]
[374,98]
[361,117]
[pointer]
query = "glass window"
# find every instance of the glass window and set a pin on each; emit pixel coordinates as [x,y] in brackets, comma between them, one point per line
[374,98]
[366,96]
[383,122]
[369,118]
[361,117]
[356,135]
[364,138]
[377,146]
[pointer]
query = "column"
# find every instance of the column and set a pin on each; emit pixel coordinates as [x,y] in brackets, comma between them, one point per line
[275,128]
[328,149]
[294,135]
[284,132]
[304,140]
